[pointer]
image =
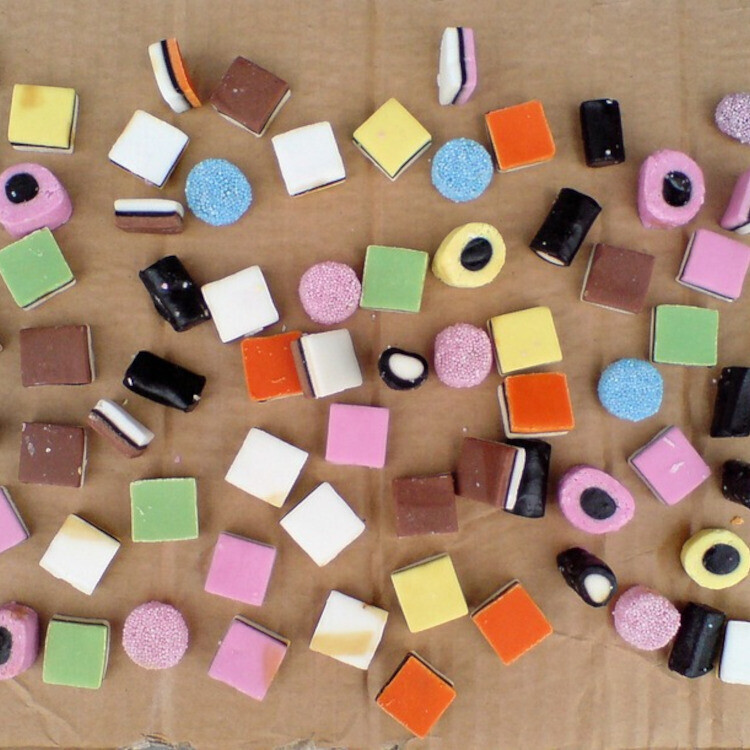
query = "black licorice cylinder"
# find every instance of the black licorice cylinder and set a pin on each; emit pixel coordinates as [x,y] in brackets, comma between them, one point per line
[732,406]
[697,642]
[601,127]
[589,576]
[735,482]
[531,496]
[164,382]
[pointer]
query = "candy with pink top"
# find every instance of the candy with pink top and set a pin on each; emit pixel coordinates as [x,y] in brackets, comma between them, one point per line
[329,292]
[155,636]
[737,216]
[463,356]
[19,639]
[645,619]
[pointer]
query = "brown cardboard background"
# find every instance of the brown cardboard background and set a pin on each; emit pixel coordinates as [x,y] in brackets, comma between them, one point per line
[668,64]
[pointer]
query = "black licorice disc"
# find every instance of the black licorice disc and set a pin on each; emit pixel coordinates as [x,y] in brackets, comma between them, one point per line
[676,189]
[21,188]
[598,504]
[476,254]
[6,644]
[721,559]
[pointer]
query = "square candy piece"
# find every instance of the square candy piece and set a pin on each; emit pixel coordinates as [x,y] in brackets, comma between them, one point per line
[58,355]
[357,435]
[715,264]
[270,371]
[52,454]
[429,593]
[34,269]
[525,339]
[266,467]
[425,505]
[489,472]
[327,363]
[670,466]
[240,569]
[511,622]
[349,630]
[323,524]
[149,148]
[536,403]
[43,118]
[76,652]
[734,666]
[416,696]
[164,510]
[248,658]
[309,158]
[617,278]
[520,136]
[684,335]
[240,304]
[737,216]
[393,279]
[79,554]
[392,138]
[13,530]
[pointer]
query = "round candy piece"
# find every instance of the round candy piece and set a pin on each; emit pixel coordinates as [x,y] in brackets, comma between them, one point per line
[217,192]
[329,292]
[19,639]
[733,116]
[462,170]
[593,501]
[472,255]
[716,558]
[463,355]
[645,619]
[402,370]
[631,389]
[155,636]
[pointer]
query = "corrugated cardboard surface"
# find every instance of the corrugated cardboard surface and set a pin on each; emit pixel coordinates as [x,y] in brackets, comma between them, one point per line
[668,64]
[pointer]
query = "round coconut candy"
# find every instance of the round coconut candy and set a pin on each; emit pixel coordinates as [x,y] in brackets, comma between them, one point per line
[631,389]
[217,192]
[329,292]
[732,116]
[463,355]
[645,619]
[155,636]
[462,170]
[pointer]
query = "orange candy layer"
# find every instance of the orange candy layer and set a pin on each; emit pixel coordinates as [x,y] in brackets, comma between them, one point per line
[520,135]
[269,366]
[180,73]
[538,402]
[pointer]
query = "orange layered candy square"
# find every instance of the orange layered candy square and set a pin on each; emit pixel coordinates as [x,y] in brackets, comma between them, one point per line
[511,622]
[536,403]
[520,135]
[416,696]
[270,371]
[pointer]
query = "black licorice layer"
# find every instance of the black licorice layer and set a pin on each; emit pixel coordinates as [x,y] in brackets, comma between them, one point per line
[462,62]
[21,188]
[676,189]
[721,559]
[391,379]
[575,564]
[601,127]
[174,293]
[697,642]
[531,498]
[597,504]
[732,406]
[566,226]
[735,482]
[6,645]
[164,382]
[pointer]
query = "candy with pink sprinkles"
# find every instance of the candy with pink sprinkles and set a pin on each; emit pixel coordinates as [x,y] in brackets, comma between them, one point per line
[155,636]
[329,292]
[733,116]
[645,619]
[463,355]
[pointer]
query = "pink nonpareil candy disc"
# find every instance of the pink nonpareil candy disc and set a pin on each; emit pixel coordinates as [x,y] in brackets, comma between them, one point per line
[329,292]
[155,636]
[733,116]
[463,355]
[646,620]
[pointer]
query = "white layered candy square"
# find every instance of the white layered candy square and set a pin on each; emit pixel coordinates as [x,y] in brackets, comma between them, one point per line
[734,666]
[330,362]
[79,554]
[240,304]
[323,524]
[266,467]
[349,630]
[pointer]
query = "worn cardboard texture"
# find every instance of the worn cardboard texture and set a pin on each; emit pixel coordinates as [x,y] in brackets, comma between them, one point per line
[668,64]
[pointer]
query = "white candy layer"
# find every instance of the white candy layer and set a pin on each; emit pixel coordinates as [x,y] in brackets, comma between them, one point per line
[134,431]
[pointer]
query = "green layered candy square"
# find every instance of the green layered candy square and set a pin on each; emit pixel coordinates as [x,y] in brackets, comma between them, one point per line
[34,269]
[76,652]
[164,510]
[684,335]
[393,279]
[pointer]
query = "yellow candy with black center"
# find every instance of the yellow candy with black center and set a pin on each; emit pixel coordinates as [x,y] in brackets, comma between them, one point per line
[472,255]
[716,558]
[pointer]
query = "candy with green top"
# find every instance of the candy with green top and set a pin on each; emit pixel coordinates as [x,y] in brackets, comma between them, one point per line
[684,335]
[34,269]
[164,510]
[76,652]
[393,279]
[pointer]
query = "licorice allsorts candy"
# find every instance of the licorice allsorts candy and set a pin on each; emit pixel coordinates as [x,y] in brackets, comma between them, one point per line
[472,255]
[164,382]
[175,295]
[696,645]
[402,370]
[19,639]
[716,558]
[565,228]
[149,215]
[602,132]
[735,482]
[530,500]
[732,406]
[589,576]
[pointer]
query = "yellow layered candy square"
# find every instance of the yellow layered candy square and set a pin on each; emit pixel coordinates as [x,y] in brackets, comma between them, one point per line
[525,339]
[42,118]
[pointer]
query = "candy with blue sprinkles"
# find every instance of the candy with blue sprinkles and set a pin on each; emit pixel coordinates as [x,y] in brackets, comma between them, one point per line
[461,170]
[217,192]
[631,389]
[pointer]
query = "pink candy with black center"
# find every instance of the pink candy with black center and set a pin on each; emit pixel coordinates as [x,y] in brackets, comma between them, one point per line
[645,619]
[329,292]
[19,639]
[463,355]
[155,636]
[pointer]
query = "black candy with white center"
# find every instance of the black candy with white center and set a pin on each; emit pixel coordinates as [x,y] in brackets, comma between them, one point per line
[402,370]
[589,576]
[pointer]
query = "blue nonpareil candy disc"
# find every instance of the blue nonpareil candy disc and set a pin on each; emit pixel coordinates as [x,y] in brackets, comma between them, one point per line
[462,170]
[217,192]
[631,389]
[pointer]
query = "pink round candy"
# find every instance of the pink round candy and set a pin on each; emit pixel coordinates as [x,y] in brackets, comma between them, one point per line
[733,116]
[329,292]
[463,355]
[155,636]
[646,620]
[19,639]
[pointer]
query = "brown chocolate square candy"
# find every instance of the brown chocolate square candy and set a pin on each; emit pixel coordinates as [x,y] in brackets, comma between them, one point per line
[52,454]
[249,96]
[59,355]
[485,469]
[617,278]
[425,505]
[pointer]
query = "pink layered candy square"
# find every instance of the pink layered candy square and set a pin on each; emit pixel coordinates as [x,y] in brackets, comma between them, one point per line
[240,569]
[715,264]
[13,530]
[357,435]
[670,466]
[737,216]
[248,658]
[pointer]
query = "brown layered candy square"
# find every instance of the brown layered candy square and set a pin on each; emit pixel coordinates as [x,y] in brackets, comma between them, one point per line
[52,454]
[489,472]
[425,505]
[56,355]
[617,278]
